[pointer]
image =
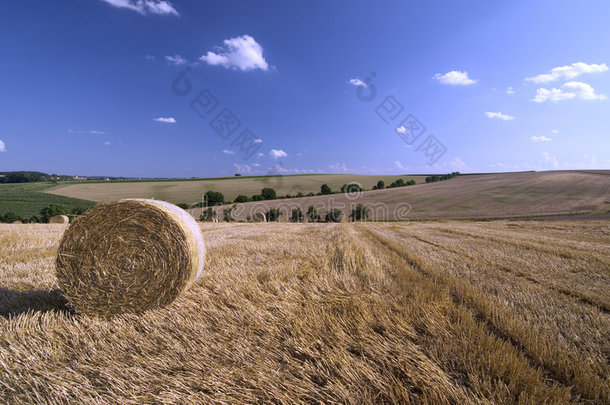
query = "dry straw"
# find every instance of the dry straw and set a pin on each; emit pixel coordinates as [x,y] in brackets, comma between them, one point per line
[129,256]
[59,219]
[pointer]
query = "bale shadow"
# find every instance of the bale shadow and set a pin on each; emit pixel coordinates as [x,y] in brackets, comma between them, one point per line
[14,302]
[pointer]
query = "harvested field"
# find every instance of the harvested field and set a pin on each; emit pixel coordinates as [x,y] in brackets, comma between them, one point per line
[499,195]
[432,312]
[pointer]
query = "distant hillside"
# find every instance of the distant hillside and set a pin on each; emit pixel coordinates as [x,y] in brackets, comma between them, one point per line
[473,196]
[192,191]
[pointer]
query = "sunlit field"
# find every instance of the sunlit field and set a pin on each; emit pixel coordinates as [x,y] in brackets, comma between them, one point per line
[431,312]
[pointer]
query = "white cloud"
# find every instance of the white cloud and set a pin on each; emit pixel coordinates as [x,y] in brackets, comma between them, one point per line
[401,129]
[242,168]
[228,152]
[168,120]
[277,153]
[568,72]
[510,90]
[150,57]
[93,131]
[339,167]
[458,164]
[176,60]
[548,158]
[357,82]
[106,143]
[455,78]
[260,155]
[242,53]
[2,146]
[258,141]
[541,138]
[145,6]
[256,164]
[399,165]
[554,131]
[499,115]
[569,90]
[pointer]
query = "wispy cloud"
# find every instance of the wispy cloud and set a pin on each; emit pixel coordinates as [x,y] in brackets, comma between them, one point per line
[570,90]
[339,167]
[548,158]
[399,165]
[2,146]
[541,138]
[92,131]
[145,6]
[277,153]
[499,115]
[242,53]
[168,120]
[357,82]
[176,60]
[106,143]
[228,152]
[510,90]
[554,131]
[568,72]
[242,168]
[258,140]
[455,78]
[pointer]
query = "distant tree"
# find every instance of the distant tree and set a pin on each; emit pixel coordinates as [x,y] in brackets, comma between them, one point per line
[50,211]
[334,215]
[226,214]
[325,189]
[268,194]
[297,215]
[360,213]
[351,188]
[380,185]
[273,215]
[184,206]
[299,195]
[78,211]
[9,218]
[212,198]
[237,175]
[257,197]
[242,198]
[312,214]
[207,214]
[411,182]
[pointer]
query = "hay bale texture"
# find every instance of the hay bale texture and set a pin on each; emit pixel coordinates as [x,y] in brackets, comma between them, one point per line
[59,219]
[129,256]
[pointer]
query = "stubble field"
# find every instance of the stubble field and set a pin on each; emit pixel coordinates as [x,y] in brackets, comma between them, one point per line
[429,312]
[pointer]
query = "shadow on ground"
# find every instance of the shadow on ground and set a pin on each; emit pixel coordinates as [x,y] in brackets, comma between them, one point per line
[14,302]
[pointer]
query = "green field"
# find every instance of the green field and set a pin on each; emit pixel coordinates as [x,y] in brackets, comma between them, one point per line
[27,199]
[191,191]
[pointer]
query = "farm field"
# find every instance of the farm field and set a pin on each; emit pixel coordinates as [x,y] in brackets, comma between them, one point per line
[477,196]
[429,312]
[192,191]
[27,199]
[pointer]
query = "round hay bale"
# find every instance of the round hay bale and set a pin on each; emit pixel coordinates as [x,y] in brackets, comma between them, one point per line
[129,256]
[259,217]
[59,219]
[17,223]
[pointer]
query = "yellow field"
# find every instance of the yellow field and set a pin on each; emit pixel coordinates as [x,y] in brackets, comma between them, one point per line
[438,313]
[192,191]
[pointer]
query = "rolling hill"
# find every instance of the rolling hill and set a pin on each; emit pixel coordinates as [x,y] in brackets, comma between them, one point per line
[479,196]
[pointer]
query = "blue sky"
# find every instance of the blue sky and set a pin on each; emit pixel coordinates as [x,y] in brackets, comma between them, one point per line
[86,86]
